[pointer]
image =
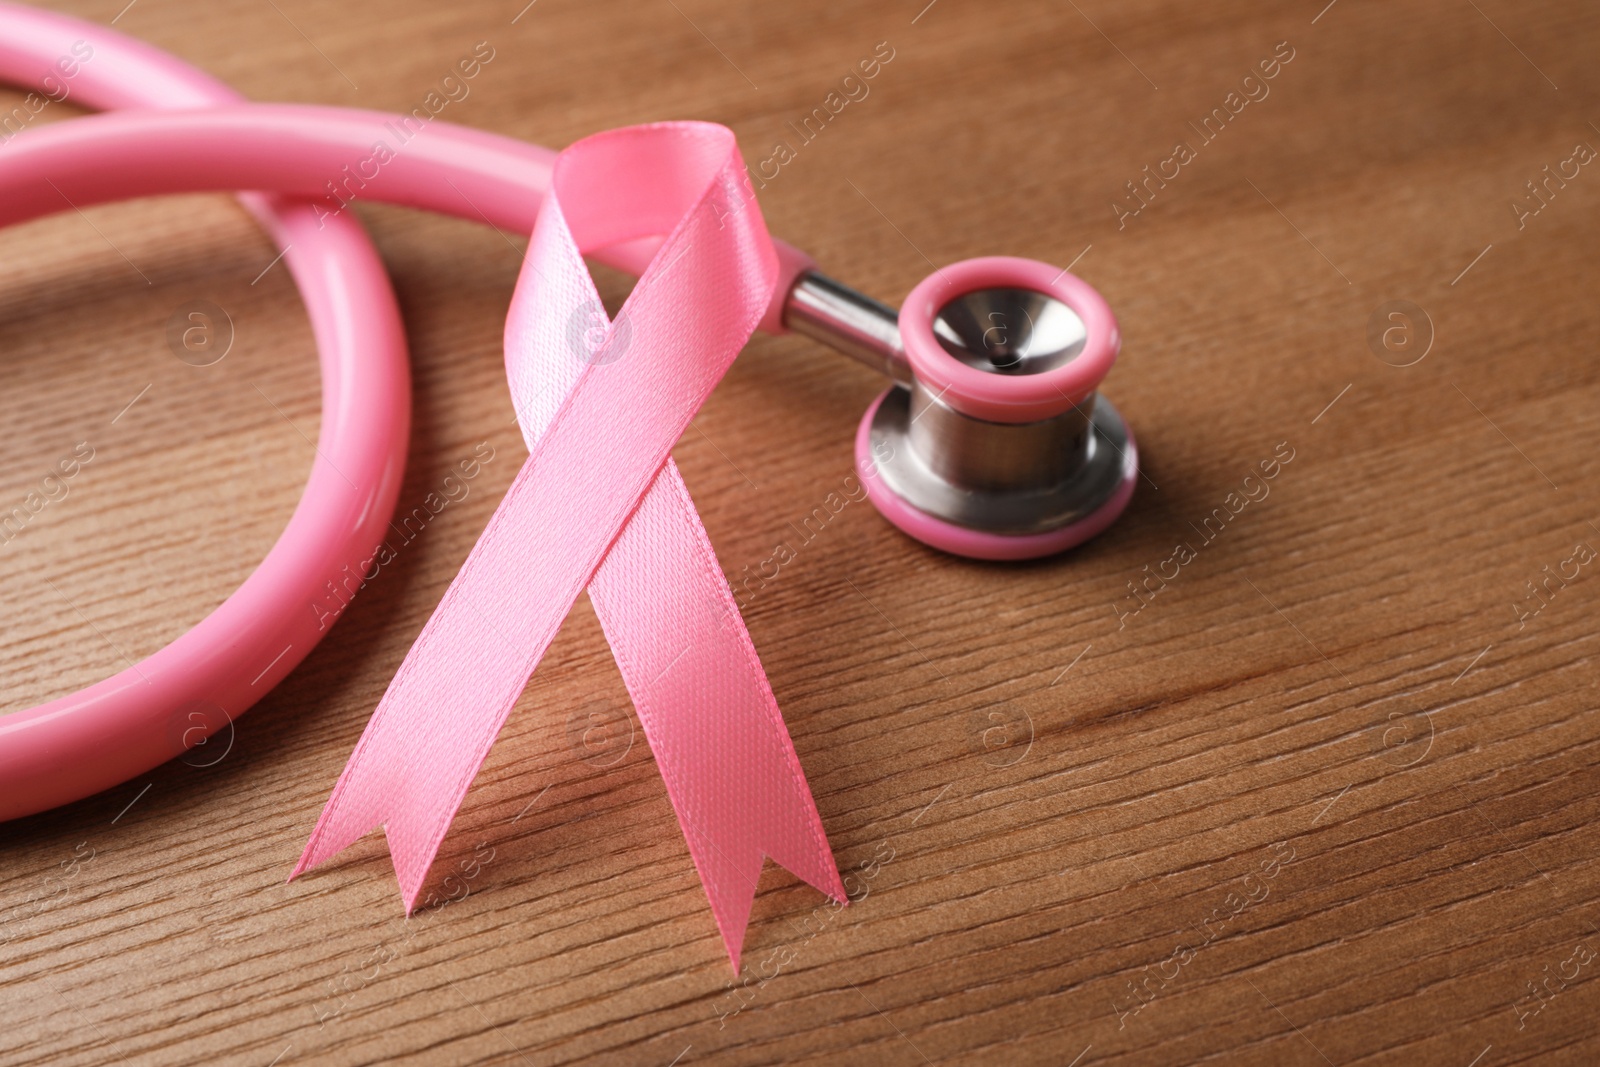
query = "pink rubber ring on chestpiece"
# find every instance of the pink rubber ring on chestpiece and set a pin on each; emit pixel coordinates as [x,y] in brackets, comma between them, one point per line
[980,544]
[1007,397]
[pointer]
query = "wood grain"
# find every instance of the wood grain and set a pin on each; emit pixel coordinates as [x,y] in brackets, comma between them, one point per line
[1323,799]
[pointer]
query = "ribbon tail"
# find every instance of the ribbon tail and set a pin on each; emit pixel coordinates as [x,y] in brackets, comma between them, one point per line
[436,723]
[381,785]
[707,709]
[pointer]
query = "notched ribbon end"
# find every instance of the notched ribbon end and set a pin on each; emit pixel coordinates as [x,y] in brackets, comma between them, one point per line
[730,878]
[317,851]
[410,854]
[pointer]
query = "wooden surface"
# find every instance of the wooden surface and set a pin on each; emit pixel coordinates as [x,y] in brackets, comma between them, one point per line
[1323,799]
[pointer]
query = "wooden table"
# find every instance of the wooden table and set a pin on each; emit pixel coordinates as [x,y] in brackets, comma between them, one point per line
[1327,795]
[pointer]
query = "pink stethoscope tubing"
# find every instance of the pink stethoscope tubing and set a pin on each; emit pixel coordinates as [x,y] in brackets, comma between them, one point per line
[297,150]
[93,739]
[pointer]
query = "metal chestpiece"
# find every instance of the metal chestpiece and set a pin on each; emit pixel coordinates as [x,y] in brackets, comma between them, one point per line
[994,442]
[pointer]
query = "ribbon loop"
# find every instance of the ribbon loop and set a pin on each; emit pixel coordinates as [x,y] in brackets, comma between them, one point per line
[599,503]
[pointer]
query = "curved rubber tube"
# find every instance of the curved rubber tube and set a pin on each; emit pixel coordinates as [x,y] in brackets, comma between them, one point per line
[93,739]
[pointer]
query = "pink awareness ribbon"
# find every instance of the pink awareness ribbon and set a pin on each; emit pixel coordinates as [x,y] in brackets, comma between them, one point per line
[600,504]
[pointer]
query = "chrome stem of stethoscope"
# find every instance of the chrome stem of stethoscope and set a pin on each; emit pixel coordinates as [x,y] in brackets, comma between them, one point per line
[850,322]
[994,441]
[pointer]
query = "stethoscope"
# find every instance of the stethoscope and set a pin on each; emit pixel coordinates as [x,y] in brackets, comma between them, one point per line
[990,442]
[993,441]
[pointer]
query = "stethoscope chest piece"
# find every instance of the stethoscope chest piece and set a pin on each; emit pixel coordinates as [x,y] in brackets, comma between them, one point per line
[980,489]
[994,443]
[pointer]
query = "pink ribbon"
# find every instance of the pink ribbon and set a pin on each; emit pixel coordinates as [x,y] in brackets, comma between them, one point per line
[601,504]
